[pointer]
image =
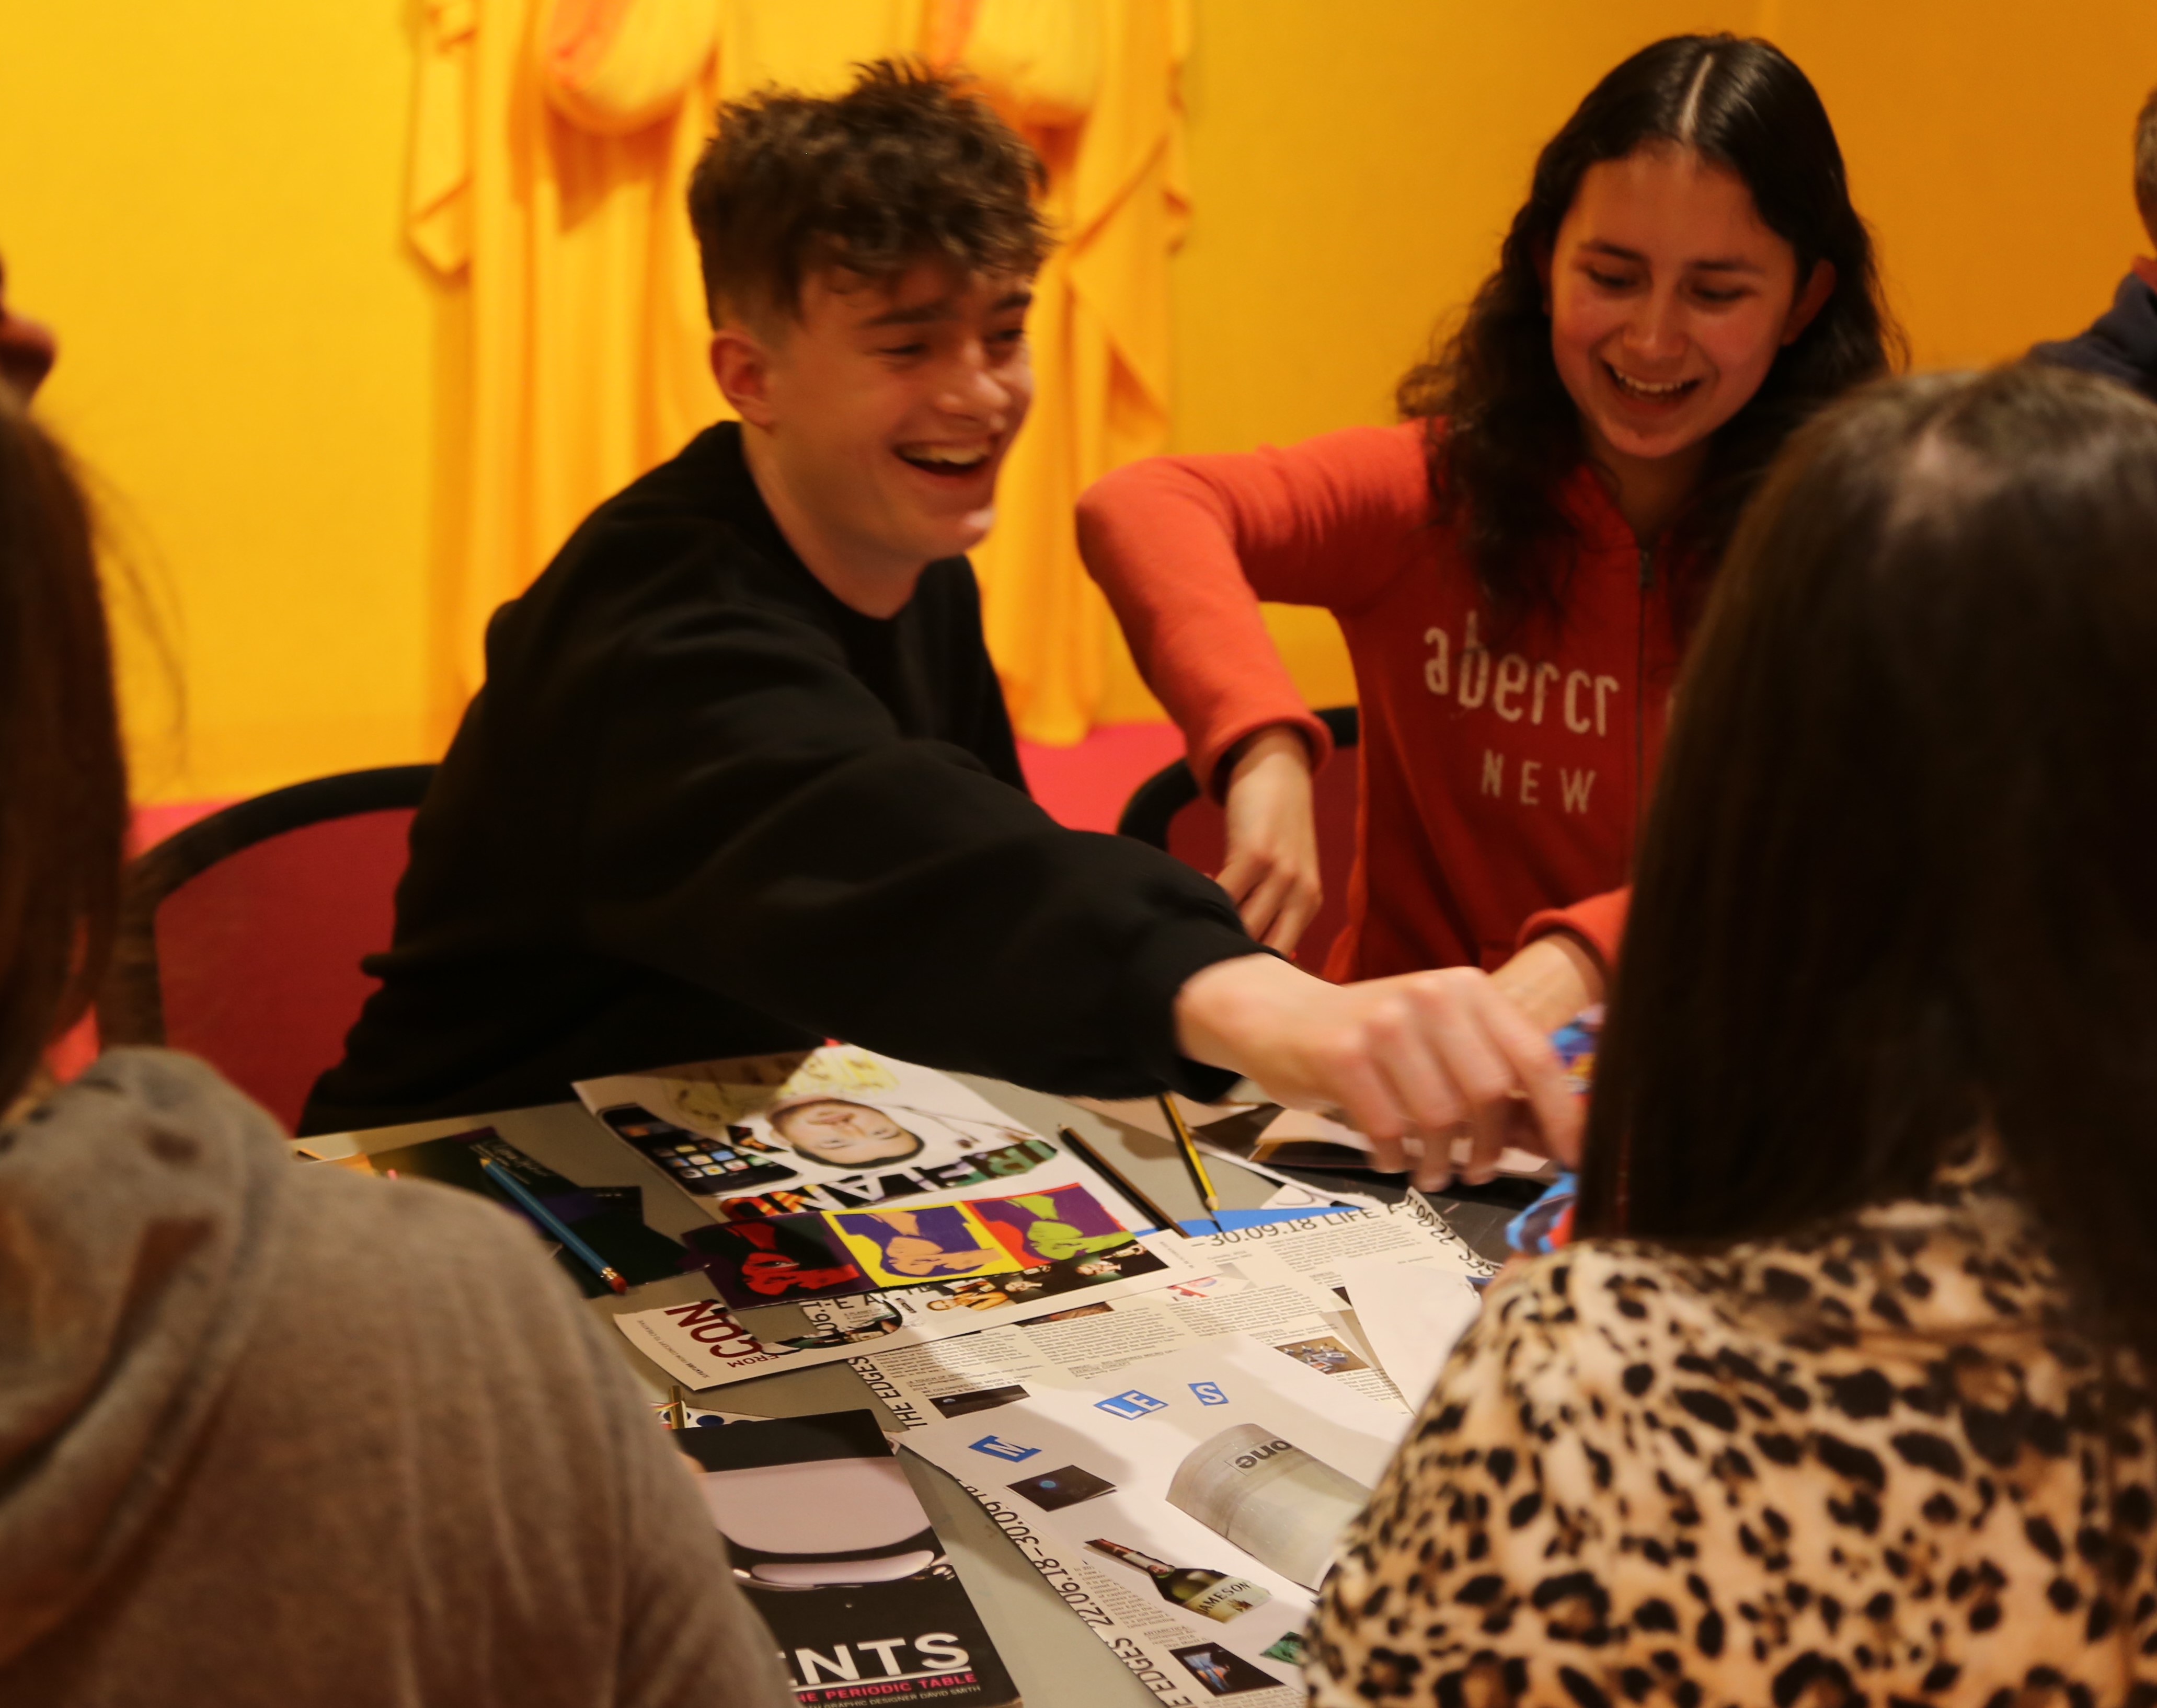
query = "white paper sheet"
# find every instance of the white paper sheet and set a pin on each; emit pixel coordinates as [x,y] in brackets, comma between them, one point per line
[1412,1315]
[1294,1194]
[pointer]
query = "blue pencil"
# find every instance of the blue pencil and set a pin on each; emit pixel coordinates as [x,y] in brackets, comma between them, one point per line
[554,1224]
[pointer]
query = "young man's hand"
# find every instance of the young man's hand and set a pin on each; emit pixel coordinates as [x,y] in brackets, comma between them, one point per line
[1271,868]
[1413,1062]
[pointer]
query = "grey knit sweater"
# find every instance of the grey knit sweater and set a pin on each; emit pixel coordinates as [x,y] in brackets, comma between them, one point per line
[276,1434]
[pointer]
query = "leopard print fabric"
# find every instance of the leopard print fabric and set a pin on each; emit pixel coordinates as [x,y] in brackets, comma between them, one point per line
[1865,1467]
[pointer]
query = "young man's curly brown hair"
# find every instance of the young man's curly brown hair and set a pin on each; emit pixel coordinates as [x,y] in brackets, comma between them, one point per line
[905,166]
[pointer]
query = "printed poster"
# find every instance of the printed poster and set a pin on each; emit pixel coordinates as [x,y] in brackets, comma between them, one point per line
[834,1128]
[1258,1298]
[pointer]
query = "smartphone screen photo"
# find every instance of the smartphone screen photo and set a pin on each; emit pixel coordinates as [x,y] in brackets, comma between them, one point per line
[709,1167]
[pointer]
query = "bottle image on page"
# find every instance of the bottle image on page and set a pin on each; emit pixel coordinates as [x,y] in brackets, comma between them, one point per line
[1271,1499]
[1215,1594]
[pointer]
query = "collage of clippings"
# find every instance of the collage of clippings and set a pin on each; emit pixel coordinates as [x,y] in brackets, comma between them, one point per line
[858,1200]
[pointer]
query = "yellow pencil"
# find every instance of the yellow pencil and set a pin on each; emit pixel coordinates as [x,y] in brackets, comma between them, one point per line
[1189,1146]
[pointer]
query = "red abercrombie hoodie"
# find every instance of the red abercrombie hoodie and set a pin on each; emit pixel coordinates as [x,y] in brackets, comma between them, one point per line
[1502,778]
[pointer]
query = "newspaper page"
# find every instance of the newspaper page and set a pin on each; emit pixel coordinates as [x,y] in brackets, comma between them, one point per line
[703,1345]
[835,1128]
[1316,1246]
[1187,1506]
[1258,1298]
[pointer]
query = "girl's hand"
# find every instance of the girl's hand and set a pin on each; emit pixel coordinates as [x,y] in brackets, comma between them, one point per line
[1271,868]
[1413,1062]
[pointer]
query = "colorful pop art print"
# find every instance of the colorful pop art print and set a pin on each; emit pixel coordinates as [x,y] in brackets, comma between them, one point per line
[1058,1224]
[923,1243]
[769,1262]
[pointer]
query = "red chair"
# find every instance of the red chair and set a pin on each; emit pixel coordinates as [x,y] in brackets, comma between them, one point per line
[241,937]
[1167,811]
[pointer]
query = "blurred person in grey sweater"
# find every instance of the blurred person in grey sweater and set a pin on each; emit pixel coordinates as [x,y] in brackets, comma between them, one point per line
[274,1434]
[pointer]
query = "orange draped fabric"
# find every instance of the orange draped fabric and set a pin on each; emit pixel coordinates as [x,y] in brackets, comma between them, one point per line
[1093,83]
[552,145]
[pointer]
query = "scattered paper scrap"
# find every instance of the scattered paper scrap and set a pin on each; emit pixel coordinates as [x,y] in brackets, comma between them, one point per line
[1412,1315]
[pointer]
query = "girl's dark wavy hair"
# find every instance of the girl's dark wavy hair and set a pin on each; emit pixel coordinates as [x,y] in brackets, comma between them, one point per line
[1506,434]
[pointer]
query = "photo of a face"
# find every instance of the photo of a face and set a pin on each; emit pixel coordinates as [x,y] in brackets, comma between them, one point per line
[843,1134]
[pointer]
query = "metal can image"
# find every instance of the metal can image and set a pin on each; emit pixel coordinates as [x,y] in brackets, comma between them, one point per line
[1269,1498]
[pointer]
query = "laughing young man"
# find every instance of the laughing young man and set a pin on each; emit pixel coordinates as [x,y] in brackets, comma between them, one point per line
[741,777]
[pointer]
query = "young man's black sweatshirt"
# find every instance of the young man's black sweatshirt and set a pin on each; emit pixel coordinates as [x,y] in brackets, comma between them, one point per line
[700,808]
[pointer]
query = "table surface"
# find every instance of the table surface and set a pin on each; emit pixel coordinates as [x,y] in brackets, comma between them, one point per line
[1054,1659]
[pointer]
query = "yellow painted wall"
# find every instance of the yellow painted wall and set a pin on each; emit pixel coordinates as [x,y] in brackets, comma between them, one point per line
[204,199]
[1991,146]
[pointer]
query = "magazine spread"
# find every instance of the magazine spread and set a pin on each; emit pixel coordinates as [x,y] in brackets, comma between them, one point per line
[836,1128]
[832,1547]
[1280,1285]
[1257,1298]
[1187,1506]
[701,1344]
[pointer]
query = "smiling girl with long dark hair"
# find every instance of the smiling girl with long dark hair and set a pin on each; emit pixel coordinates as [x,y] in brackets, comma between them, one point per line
[1513,567]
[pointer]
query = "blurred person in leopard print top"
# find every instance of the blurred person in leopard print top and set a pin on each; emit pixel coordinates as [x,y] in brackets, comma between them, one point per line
[1838,1398]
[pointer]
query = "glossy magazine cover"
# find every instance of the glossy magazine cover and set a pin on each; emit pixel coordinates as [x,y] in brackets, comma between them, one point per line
[832,1546]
